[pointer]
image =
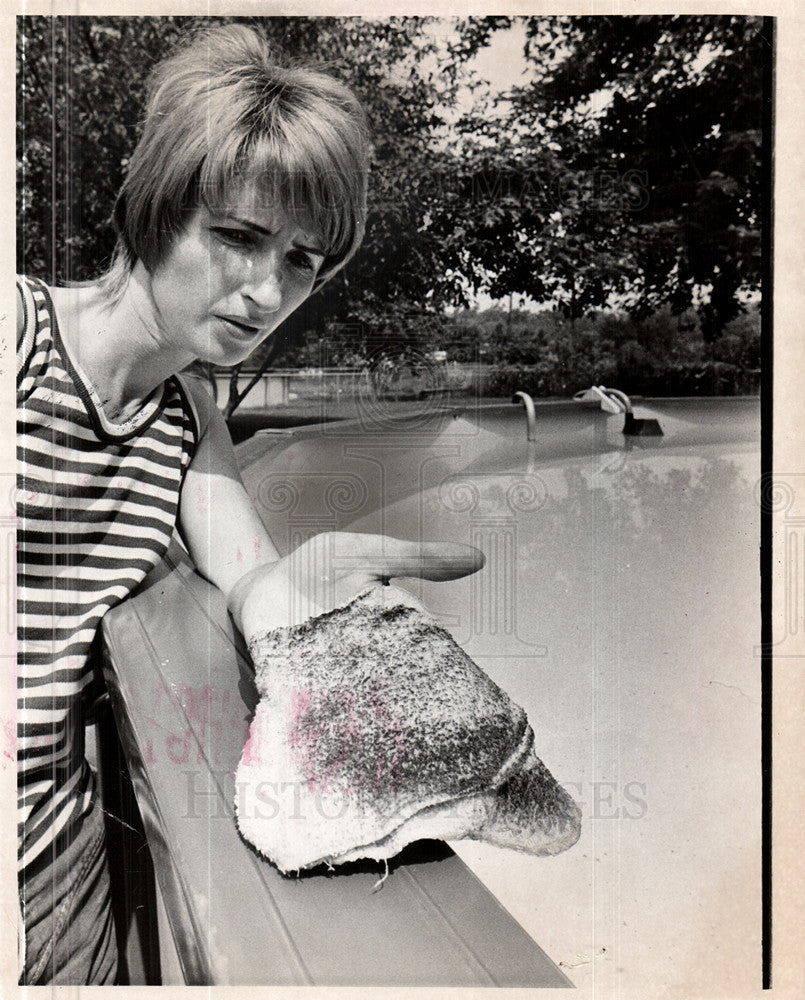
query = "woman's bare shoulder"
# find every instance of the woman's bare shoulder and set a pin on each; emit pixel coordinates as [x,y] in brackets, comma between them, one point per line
[20,313]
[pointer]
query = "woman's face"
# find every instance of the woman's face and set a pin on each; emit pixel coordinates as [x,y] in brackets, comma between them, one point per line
[231,277]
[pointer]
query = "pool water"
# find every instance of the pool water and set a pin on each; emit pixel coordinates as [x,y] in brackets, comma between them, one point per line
[619,605]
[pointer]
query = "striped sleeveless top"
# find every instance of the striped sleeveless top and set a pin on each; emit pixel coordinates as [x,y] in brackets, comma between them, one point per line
[97,505]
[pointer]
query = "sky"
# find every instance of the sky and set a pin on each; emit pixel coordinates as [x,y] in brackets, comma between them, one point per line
[502,62]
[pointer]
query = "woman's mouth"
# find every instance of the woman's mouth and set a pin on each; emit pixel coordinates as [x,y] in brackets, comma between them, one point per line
[239,326]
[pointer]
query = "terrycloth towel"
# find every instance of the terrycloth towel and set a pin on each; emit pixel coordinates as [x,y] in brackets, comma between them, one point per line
[375,729]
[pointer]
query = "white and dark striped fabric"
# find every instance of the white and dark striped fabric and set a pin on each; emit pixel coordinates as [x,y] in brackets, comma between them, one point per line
[97,505]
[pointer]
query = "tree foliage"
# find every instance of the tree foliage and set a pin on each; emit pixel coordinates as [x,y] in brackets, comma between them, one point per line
[80,93]
[628,164]
[79,96]
[676,104]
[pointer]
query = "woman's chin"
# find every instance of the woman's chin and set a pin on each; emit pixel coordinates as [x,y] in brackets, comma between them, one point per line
[229,354]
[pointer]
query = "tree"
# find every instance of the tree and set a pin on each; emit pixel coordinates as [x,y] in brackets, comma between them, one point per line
[79,94]
[672,105]
[80,86]
[628,167]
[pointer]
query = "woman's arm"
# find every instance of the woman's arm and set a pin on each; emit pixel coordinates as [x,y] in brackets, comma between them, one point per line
[231,547]
[222,530]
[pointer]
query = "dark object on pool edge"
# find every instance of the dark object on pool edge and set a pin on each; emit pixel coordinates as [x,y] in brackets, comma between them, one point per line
[643,426]
[374,730]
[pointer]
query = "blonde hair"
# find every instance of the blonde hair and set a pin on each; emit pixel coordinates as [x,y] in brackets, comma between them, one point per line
[225,111]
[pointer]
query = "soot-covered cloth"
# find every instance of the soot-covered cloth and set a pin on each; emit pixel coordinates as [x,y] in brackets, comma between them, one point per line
[375,729]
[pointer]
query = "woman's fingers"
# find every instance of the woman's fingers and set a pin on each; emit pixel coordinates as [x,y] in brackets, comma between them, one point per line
[330,569]
[431,561]
[383,557]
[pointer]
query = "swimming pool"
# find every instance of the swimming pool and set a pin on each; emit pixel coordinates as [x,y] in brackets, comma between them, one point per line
[619,606]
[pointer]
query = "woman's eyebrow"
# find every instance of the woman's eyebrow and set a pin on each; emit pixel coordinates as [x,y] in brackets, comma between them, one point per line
[257,228]
[317,251]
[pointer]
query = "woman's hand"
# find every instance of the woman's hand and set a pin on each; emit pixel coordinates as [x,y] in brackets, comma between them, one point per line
[232,549]
[329,569]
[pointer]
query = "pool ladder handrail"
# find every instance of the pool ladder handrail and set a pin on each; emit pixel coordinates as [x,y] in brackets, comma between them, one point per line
[531,413]
[611,400]
[647,427]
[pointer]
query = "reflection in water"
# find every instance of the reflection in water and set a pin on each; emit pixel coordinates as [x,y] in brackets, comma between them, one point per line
[655,545]
[595,550]
[643,525]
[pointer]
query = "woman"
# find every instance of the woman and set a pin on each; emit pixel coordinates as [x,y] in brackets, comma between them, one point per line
[244,195]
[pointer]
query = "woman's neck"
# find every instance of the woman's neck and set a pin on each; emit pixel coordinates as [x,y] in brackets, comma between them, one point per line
[117,344]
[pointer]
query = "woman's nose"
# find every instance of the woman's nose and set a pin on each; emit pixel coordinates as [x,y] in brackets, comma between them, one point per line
[263,285]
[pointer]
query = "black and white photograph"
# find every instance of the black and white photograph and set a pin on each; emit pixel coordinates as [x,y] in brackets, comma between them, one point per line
[401,583]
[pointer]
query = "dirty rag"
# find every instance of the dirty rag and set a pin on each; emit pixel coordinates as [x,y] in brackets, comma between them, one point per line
[375,729]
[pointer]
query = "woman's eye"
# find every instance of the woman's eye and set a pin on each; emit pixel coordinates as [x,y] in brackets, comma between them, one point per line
[234,237]
[302,261]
